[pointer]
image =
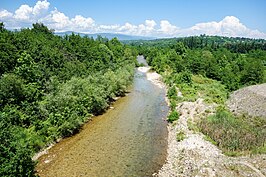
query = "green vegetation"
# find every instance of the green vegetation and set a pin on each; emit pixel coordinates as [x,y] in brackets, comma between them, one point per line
[173,116]
[210,67]
[180,136]
[211,90]
[235,133]
[234,44]
[50,85]
[233,70]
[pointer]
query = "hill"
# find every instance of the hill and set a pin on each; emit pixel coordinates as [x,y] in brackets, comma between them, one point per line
[107,35]
[249,100]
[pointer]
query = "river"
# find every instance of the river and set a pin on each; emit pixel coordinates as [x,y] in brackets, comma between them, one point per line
[128,140]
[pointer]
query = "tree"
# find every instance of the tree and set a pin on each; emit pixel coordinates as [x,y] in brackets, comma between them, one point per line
[27,68]
[253,72]
[11,90]
[41,28]
[2,27]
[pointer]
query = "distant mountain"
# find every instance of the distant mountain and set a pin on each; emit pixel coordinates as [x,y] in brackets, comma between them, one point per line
[121,37]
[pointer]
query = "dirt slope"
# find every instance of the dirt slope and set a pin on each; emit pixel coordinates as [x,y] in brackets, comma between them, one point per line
[249,100]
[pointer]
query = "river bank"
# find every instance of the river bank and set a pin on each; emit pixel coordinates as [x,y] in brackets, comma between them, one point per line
[190,153]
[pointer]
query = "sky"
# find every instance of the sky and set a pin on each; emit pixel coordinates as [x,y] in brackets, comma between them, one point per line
[153,18]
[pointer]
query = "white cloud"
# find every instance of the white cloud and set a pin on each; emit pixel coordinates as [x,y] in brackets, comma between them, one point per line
[150,24]
[23,12]
[145,29]
[229,26]
[167,28]
[210,28]
[128,28]
[82,22]
[256,34]
[25,15]
[4,14]
[58,20]
[40,7]
[108,27]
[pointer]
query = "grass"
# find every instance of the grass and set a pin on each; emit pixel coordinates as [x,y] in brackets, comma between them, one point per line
[207,138]
[140,65]
[235,135]
[210,90]
[180,136]
[193,126]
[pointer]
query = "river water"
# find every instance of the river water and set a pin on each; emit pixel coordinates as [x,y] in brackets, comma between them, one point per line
[129,140]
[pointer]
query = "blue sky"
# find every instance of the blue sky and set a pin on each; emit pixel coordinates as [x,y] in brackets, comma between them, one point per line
[166,18]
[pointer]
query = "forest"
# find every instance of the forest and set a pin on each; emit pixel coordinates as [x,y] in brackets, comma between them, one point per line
[50,85]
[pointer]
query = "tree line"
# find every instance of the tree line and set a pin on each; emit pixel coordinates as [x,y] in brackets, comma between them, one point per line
[232,67]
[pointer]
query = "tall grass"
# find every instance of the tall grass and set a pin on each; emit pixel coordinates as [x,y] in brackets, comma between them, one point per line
[235,133]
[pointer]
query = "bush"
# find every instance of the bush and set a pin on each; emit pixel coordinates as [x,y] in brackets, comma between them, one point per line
[171,93]
[173,116]
[172,104]
[183,77]
[15,157]
[12,89]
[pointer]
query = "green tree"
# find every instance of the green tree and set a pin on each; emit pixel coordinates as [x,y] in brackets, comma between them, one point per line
[27,68]
[12,90]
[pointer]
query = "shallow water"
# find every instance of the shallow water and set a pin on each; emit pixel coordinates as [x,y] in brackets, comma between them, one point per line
[129,140]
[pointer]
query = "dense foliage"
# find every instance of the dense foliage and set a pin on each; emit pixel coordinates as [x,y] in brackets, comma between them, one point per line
[50,85]
[233,68]
[237,44]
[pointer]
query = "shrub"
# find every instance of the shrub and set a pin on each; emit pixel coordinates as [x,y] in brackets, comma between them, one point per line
[12,89]
[173,116]
[183,77]
[15,157]
[171,93]
[172,104]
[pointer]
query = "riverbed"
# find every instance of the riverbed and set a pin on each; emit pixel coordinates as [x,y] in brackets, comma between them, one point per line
[128,140]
